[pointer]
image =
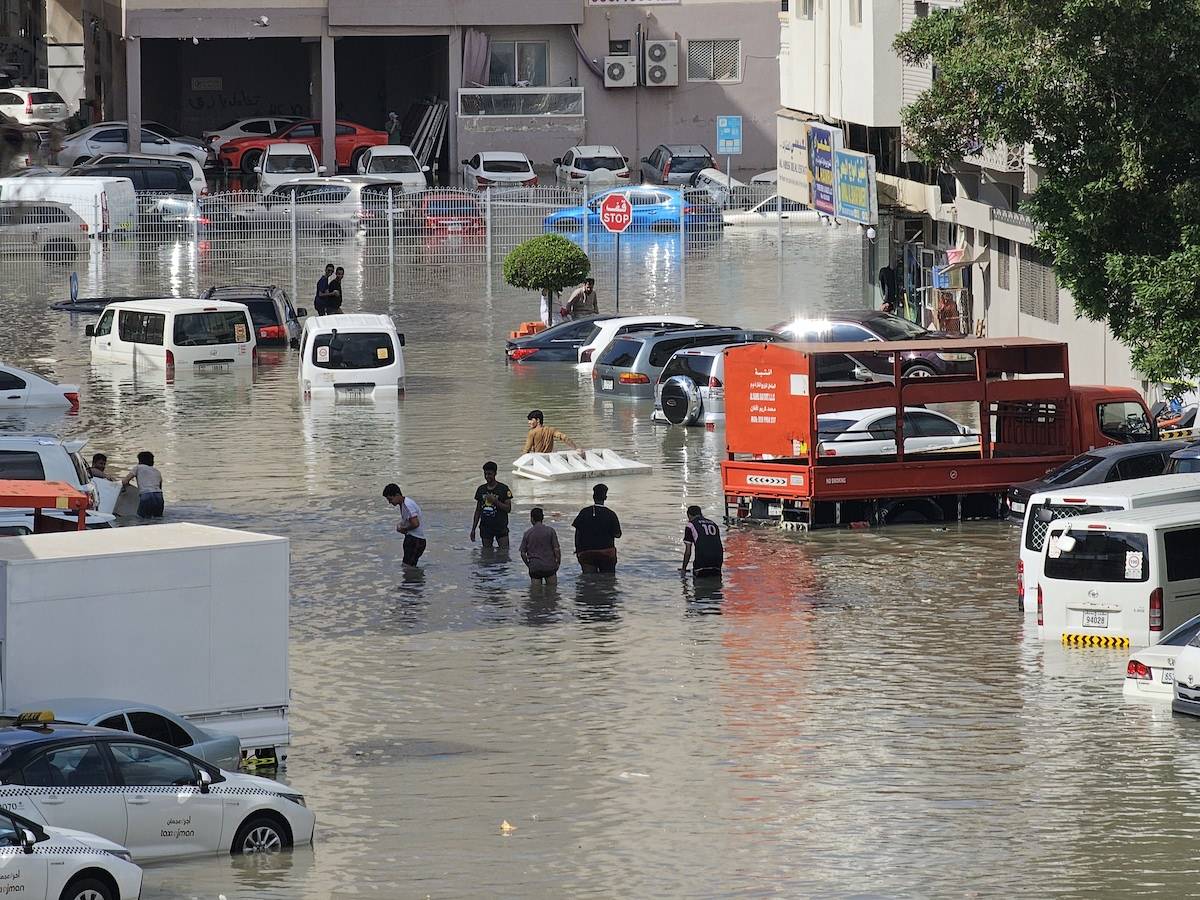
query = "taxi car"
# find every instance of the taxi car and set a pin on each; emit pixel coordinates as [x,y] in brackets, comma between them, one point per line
[61,864]
[154,799]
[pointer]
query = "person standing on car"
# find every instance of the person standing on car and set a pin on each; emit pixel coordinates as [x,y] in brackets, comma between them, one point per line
[409,524]
[321,300]
[583,301]
[597,529]
[540,439]
[703,537]
[493,503]
[150,486]
[540,550]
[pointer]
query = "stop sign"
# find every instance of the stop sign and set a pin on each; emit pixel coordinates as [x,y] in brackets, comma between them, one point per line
[616,213]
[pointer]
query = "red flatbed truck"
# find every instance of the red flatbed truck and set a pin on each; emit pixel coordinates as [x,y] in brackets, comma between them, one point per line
[1031,419]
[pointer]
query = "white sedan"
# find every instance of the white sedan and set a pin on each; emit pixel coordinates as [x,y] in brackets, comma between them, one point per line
[113,137]
[1150,671]
[20,390]
[156,800]
[872,432]
[773,211]
[63,864]
[257,126]
[498,168]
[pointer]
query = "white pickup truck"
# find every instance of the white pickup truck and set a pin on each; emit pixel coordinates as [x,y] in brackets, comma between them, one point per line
[188,617]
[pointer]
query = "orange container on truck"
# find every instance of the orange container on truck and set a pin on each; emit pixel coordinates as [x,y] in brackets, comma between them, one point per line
[788,459]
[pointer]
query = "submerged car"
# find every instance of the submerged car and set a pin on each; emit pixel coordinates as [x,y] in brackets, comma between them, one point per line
[276,321]
[1150,671]
[558,343]
[654,209]
[20,389]
[872,432]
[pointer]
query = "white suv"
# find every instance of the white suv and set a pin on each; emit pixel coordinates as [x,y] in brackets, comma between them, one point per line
[33,106]
[44,457]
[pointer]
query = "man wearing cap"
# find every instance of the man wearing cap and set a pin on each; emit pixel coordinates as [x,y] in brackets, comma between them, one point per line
[596,531]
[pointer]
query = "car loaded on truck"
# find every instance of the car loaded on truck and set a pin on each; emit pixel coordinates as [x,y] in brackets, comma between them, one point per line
[807,447]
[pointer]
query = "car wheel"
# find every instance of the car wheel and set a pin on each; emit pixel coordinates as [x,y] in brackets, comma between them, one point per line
[913,511]
[567,225]
[355,157]
[250,159]
[681,402]
[919,370]
[260,834]
[87,889]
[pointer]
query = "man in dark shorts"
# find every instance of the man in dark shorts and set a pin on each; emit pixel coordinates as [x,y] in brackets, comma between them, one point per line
[409,525]
[596,531]
[704,537]
[539,549]
[493,503]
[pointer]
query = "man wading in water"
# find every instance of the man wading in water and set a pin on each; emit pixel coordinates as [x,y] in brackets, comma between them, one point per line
[596,531]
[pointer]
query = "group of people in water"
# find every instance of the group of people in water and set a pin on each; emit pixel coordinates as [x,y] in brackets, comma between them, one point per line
[597,528]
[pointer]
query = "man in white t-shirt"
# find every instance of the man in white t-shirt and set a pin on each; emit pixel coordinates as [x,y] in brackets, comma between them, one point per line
[409,525]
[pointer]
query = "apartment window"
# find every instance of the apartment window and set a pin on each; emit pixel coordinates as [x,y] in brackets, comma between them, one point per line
[1039,285]
[804,9]
[718,60]
[856,12]
[524,63]
[1003,257]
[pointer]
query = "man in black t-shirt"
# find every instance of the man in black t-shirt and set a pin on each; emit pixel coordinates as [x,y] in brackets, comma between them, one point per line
[596,531]
[703,536]
[493,503]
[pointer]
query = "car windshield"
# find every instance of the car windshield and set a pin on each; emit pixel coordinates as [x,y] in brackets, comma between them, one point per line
[45,97]
[894,328]
[832,426]
[393,165]
[697,367]
[506,165]
[288,163]
[210,328]
[595,333]
[353,350]
[1182,635]
[1181,465]
[1093,555]
[1071,470]
[164,130]
[620,354]
[689,164]
[262,312]
[592,163]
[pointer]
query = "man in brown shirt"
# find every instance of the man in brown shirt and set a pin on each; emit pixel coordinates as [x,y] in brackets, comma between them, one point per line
[540,439]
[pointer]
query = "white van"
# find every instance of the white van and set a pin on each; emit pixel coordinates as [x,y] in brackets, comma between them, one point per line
[1046,507]
[108,206]
[1120,578]
[718,185]
[353,355]
[161,334]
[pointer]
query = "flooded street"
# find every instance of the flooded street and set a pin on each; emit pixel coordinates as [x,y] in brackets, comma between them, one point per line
[851,713]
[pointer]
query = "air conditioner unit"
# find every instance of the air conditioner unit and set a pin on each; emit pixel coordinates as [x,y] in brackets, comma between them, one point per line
[662,63]
[620,71]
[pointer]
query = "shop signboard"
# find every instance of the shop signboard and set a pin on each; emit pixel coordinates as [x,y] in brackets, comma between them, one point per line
[821,147]
[854,182]
[791,158]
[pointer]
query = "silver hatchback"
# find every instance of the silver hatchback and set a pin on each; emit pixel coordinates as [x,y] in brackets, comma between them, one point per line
[675,163]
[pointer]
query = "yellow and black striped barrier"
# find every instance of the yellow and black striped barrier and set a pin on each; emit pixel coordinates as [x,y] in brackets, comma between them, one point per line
[1170,434]
[1094,640]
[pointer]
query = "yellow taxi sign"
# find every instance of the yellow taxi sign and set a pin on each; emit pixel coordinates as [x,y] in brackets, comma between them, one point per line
[35,717]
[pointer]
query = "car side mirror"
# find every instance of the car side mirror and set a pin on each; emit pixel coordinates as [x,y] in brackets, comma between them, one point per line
[301,312]
[626,158]
[321,170]
[28,839]
[425,169]
[258,170]
[465,163]
[205,781]
[645,159]
[400,337]
[90,331]
[558,160]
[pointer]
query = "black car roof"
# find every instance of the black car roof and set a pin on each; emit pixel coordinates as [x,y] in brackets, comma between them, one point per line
[1119,451]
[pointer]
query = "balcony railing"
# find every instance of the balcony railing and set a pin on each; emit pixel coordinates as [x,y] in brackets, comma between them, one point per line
[1000,158]
[1008,217]
[514,101]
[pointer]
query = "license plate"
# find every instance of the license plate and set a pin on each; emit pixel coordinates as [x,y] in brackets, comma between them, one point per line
[1168,676]
[606,384]
[774,510]
[1095,620]
[213,366]
[1017,507]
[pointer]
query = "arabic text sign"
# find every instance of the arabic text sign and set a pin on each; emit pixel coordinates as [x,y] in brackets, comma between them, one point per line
[854,177]
[729,135]
[820,165]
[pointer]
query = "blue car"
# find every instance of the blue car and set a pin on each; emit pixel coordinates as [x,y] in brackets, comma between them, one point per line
[654,209]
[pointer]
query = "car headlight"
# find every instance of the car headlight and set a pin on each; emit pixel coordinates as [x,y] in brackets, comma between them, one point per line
[121,854]
[955,357]
[295,798]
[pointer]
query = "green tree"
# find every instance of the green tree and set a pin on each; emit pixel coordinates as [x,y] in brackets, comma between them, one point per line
[548,264]
[1107,92]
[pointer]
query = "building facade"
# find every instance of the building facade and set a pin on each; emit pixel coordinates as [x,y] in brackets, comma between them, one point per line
[961,249]
[524,75]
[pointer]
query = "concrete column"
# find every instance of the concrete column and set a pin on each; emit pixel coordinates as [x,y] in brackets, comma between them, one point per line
[455,41]
[64,50]
[133,88]
[328,105]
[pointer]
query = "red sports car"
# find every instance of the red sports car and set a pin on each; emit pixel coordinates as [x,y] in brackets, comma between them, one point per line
[350,143]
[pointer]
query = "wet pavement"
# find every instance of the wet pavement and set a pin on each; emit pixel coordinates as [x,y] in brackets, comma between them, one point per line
[848,713]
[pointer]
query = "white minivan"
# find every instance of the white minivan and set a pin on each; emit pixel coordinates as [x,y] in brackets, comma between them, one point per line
[1120,578]
[198,335]
[351,355]
[1048,506]
[108,206]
